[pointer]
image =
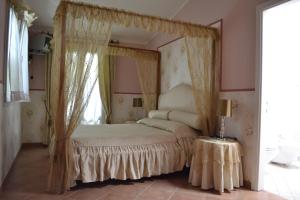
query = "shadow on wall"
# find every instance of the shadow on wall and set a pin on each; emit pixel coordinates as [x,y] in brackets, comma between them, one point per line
[10,119]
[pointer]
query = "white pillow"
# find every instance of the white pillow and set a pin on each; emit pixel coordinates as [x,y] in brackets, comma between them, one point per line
[158,114]
[190,119]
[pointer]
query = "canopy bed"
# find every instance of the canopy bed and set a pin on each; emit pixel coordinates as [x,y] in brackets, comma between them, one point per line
[80,45]
[153,146]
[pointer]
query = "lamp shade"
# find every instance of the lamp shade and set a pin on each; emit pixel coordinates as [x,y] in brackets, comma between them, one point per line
[225,107]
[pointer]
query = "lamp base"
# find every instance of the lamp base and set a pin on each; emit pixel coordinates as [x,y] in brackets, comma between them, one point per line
[222,128]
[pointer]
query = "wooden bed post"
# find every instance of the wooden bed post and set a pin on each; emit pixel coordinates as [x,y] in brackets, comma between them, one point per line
[58,174]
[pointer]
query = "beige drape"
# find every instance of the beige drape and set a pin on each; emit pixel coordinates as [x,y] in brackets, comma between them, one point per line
[105,78]
[148,74]
[201,53]
[75,61]
[48,119]
[146,22]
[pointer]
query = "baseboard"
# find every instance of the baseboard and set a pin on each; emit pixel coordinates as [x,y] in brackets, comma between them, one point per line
[247,184]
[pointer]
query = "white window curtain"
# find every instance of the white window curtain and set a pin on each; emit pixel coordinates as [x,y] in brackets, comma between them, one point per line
[17,82]
[93,112]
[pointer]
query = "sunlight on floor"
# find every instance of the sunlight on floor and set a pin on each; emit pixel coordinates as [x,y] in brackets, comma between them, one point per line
[283,180]
[280,102]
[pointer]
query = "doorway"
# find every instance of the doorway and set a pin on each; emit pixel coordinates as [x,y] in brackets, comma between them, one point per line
[280,99]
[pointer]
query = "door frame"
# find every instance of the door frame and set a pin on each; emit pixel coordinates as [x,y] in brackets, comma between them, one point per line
[258,183]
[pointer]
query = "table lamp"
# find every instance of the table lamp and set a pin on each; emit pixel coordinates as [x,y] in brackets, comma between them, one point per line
[225,107]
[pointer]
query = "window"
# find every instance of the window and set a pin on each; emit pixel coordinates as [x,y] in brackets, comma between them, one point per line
[16,80]
[93,111]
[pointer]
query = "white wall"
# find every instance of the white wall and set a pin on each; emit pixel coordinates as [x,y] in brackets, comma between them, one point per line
[122,109]
[10,114]
[10,134]
[33,118]
[34,112]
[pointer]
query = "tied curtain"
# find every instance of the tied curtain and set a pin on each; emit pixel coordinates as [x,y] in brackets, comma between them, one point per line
[81,35]
[48,119]
[106,71]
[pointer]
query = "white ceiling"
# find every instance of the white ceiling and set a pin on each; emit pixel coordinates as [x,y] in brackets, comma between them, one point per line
[45,10]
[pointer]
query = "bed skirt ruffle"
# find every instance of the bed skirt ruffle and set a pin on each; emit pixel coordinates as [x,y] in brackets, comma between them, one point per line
[186,144]
[96,163]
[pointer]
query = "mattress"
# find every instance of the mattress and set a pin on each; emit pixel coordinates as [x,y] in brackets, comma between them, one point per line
[131,151]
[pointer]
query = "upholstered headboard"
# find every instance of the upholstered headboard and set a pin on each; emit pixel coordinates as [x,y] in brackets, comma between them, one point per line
[179,97]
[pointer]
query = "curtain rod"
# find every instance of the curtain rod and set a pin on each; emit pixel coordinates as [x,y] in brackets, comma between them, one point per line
[93,6]
[133,48]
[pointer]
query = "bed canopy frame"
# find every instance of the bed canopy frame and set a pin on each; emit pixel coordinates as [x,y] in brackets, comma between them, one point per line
[81,37]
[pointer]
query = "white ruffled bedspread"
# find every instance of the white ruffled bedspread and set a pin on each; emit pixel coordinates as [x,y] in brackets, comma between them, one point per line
[131,151]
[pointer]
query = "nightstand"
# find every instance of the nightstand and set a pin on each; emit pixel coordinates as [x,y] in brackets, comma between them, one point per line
[216,164]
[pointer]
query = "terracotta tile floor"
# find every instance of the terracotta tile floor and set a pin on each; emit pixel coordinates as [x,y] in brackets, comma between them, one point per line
[28,178]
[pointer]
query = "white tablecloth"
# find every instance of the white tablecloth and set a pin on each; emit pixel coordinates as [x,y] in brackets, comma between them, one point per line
[216,164]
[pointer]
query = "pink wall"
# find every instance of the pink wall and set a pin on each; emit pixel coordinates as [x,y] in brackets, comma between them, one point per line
[239,31]
[37,72]
[126,78]
[3,24]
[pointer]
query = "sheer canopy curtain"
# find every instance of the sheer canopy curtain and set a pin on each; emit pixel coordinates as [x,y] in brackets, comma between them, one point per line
[74,77]
[202,54]
[147,69]
[16,80]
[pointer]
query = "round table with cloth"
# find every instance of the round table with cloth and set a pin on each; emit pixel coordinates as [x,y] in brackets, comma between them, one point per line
[216,164]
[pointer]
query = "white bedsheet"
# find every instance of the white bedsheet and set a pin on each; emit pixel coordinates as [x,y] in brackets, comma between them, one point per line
[120,135]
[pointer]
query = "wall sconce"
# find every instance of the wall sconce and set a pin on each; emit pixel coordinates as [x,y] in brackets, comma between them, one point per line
[234,104]
[137,102]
